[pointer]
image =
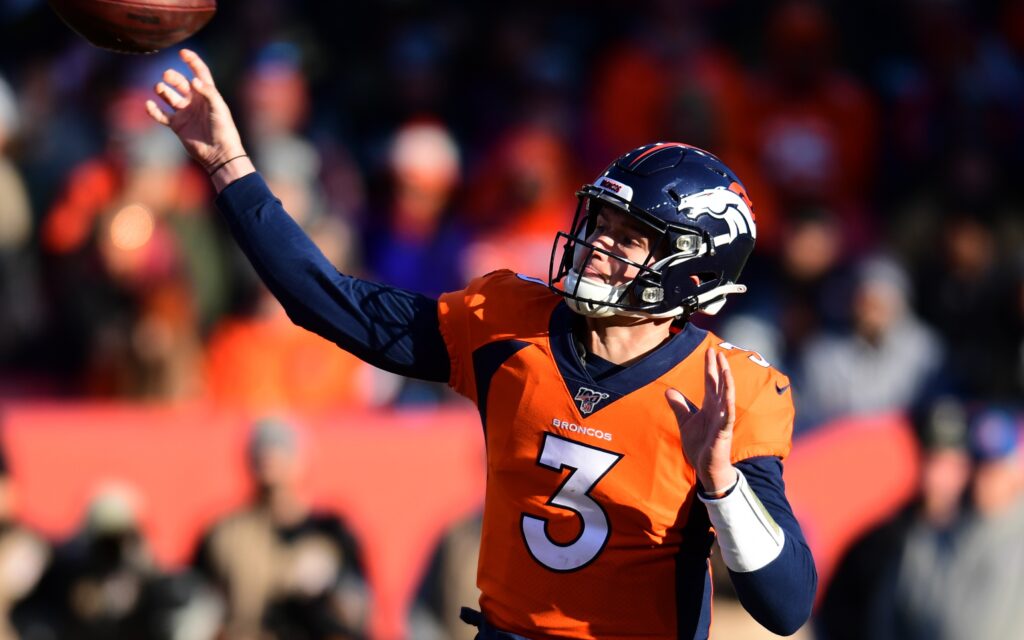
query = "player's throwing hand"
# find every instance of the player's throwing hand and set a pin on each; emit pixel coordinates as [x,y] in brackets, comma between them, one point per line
[707,432]
[199,116]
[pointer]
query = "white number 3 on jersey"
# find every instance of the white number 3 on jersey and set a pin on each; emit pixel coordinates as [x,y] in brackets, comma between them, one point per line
[588,466]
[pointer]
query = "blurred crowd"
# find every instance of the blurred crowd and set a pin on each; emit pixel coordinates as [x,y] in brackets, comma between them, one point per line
[949,564]
[274,569]
[424,143]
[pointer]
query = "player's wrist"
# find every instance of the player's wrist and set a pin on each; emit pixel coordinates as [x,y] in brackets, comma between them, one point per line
[718,482]
[231,169]
[218,154]
[747,534]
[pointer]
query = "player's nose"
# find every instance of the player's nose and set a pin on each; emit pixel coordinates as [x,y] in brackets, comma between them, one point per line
[603,240]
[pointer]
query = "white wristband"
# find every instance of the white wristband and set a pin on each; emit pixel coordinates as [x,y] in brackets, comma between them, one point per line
[747,534]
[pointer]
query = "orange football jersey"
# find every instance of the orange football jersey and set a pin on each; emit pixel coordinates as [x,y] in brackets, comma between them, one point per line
[591,524]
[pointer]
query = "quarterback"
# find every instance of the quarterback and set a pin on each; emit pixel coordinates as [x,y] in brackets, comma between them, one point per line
[621,439]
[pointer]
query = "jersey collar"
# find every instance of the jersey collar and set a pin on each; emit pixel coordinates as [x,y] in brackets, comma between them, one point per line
[590,395]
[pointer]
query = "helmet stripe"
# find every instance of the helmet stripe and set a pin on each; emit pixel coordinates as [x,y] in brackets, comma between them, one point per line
[738,189]
[658,147]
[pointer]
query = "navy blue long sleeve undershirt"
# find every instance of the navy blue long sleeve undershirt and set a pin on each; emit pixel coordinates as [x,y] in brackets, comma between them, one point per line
[399,331]
[390,328]
[779,595]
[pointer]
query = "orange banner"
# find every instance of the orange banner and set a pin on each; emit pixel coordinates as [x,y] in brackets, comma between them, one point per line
[398,477]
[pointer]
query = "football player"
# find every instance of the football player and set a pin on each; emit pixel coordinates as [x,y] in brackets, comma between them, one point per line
[620,437]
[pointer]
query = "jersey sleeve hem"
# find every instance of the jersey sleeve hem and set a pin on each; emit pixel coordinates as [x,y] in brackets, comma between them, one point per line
[244,194]
[444,309]
[778,449]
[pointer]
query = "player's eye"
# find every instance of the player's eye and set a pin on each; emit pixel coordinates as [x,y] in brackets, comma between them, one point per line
[632,241]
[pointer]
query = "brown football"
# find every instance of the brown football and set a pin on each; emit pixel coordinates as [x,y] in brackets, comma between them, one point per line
[135,26]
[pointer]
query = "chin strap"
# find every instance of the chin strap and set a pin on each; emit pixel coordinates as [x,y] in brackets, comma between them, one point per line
[592,297]
[711,302]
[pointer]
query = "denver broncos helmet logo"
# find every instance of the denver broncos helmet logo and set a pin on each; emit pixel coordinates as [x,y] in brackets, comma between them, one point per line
[723,204]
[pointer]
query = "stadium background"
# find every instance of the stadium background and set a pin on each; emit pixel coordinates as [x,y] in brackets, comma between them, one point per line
[422,143]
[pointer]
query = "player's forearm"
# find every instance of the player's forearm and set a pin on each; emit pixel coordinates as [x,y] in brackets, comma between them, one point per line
[781,594]
[769,562]
[389,328]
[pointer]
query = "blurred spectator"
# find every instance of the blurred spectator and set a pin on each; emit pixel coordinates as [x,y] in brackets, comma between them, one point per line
[449,584]
[300,156]
[858,603]
[966,584]
[795,296]
[965,292]
[418,240]
[276,108]
[23,556]
[102,583]
[275,93]
[886,361]
[419,243]
[814,128]
[63,88]
[670,80]
[521,198]
[285,571]
[134,263]
[21,310]
[664,79]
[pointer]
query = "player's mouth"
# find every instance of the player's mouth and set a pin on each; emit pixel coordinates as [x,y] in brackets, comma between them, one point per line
[594,274]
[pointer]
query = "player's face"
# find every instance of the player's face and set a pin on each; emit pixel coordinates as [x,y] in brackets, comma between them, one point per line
[619,235]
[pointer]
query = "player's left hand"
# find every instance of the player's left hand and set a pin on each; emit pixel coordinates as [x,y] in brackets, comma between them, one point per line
[707,432]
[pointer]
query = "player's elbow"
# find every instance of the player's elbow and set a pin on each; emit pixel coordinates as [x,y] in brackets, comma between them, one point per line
[786,616]
[785,622]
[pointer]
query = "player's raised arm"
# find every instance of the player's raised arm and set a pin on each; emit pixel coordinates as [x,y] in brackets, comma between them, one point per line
[762,545]
[390,328]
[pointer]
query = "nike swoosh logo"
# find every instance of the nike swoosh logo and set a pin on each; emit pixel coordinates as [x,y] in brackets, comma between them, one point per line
[781,390]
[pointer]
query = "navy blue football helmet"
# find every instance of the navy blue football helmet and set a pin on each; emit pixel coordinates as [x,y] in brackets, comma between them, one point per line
[699,218]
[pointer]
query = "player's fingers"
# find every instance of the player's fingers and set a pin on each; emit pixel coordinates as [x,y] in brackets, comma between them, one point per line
[208,91]
[679,405]
[710,375]
[155,113]
[177,82]
[198,67]
[729,393]
[723,366]
[170,96]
